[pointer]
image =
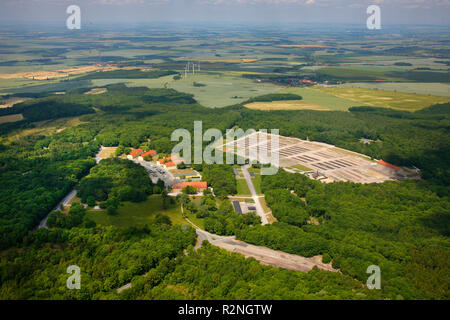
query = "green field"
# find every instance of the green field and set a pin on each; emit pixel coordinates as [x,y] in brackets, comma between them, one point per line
[256,179]
[384,98]
[138,214]
[221,88]
[242,187]
[351,74]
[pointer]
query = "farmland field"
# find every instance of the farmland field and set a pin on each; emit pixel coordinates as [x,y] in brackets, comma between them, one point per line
[322,99]
[284,105]
[11,118]
[384,98]
[219,90]
[436,89]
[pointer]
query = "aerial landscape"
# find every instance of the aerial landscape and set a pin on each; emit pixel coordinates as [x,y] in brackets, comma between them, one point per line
[97,204]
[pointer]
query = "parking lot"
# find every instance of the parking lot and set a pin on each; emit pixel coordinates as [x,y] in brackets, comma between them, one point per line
[157,172]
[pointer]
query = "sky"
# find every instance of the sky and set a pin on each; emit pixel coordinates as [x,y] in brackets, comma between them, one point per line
[262,11]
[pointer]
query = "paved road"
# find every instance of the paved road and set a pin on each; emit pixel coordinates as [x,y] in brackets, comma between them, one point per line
[97,156]
[212,238]
[255,197]
[64,202]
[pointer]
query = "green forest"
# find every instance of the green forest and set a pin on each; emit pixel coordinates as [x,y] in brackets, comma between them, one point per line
[400,226]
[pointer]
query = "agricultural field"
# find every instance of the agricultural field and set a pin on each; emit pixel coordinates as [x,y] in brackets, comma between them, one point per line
[434,89]
[11,118]
[220,88]
[284,105]
[384,98]
[322,99]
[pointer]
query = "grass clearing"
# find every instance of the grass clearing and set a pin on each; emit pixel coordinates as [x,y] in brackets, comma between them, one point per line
[242,187]
[138,214]
[44,128]
[256,179]
[199,222]
[107,152]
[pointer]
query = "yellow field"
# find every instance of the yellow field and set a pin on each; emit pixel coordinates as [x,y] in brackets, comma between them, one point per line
[285,105]
[62,73]
[95,91]
[11,118]
[244,60]
[300,46]
[12,101]
[107,152]
[384,98]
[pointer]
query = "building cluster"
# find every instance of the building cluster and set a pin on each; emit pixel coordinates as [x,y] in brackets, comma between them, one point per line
[167,166]
[139,154]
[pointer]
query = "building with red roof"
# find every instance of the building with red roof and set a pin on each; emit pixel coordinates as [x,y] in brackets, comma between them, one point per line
[199,185]
[164,160]
[150,153]
[135,153]
[170,165]
[386,164]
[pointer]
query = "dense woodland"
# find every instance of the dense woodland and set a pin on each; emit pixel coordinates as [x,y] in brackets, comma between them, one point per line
[115,179]
[274,97]
[108,257]
[235,277]
[48,108]
[401,226]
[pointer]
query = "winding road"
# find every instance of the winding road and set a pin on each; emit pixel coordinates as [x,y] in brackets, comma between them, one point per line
[64,202]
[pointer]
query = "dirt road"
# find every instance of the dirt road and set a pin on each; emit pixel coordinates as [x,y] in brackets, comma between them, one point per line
[264,255]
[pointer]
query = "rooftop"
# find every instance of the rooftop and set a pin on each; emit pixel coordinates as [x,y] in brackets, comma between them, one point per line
[195,184]
[136,152]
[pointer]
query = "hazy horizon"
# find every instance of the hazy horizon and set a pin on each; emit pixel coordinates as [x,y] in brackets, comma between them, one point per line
[428,12]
